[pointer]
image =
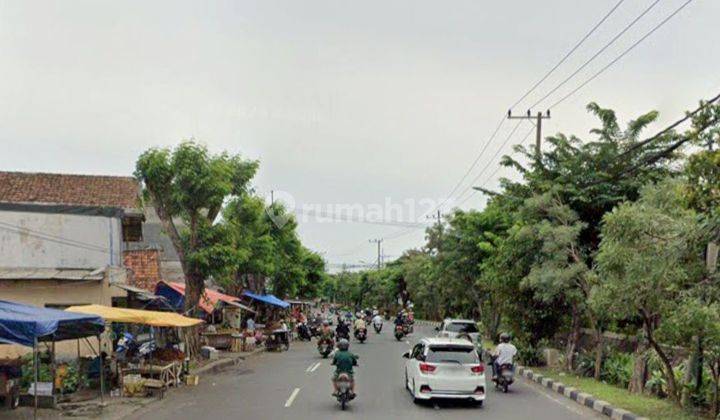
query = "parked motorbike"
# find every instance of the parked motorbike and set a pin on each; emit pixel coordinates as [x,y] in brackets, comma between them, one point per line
[361,335]
[504,377]
[325,347]
[399,332]
[344,386]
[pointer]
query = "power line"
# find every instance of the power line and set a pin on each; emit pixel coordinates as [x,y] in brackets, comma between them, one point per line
[597,54]
[493,158]
[670,127]
[610,64]
[23,231]
[350,218]
[492,175]
[528,92]
[569,53]
[469,170]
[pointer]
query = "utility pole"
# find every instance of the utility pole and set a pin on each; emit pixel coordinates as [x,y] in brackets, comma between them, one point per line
[538,127]
[272,197]
[438,217]
[379,251]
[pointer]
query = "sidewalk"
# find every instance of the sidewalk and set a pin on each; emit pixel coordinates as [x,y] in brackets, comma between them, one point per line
[115,408]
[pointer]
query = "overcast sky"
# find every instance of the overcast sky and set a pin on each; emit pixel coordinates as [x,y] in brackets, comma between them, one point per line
[342,102]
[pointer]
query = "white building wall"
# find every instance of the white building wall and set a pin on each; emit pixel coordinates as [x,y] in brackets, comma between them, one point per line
[52,240]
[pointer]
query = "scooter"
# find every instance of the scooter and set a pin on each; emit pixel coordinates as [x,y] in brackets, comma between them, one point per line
[344,386]
[304,332]
[378,327]
[399,332]
[504,377]
[361,335]
[325,347]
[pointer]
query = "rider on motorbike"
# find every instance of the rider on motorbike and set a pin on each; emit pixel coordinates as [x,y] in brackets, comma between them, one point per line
[360,325]
[326,334]
[503,354]
[344,361]
[377,320]
[342,330]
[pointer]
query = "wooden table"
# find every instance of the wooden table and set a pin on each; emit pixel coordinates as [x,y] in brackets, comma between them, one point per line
[158,376]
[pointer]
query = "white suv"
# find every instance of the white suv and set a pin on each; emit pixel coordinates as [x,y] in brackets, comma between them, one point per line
[453,328]
[445,368]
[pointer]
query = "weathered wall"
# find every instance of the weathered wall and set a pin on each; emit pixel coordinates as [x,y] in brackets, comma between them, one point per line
[51,240]
[44,292]
[144,266]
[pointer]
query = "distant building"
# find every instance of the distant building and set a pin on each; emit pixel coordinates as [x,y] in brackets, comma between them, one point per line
[62,237]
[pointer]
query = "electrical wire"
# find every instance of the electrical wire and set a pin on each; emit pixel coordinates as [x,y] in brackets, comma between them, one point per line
[597,54]
[496,169]
[492,159]
[568,54]
[610,64]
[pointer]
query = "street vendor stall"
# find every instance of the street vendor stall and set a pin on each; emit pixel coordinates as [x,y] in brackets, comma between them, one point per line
[161,368]
[28,325]
[276,329]
[223,312]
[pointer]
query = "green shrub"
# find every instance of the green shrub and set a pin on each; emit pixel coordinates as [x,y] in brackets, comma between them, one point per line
[617,369]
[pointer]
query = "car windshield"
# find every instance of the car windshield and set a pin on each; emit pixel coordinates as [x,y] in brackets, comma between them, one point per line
[452,354]
[462,327]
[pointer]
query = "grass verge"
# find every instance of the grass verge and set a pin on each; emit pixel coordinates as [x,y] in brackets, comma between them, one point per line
[642,405]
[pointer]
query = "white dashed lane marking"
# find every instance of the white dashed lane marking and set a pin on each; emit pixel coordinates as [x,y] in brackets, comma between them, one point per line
[294,395]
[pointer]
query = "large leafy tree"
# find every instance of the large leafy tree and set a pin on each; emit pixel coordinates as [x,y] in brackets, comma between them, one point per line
[187,186]
[649,258]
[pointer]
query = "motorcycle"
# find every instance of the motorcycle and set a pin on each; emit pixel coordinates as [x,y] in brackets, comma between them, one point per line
[378,327]
[407,329]
[399,332]
[344,394]
[504,377]
[304,332]
[361,335]
[325,347]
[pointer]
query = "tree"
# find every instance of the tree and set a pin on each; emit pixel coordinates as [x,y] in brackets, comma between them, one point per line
[188,186]
[648,258]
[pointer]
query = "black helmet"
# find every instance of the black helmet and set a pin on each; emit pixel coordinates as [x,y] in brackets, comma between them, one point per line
[504,338]
[343,344]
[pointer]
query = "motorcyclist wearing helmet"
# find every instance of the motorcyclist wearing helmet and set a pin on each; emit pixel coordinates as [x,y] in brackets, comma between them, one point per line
[399,319]
[342,329]
[326,334]
[344,361]
[503,354]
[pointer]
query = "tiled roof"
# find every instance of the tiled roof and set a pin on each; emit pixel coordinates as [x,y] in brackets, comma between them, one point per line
[74,190]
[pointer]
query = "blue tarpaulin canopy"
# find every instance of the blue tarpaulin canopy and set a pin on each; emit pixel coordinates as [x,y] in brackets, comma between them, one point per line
[23,324]
[269,299]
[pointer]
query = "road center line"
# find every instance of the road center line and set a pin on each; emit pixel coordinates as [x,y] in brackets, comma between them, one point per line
[294,395]
[309,367]
[314,368]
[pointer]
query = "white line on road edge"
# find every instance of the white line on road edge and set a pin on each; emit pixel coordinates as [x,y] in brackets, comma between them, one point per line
[290,400]
[317,365]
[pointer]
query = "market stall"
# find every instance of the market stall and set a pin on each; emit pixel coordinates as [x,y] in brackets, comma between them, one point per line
[273,311]
[223,313]
[28,326]
[159,368]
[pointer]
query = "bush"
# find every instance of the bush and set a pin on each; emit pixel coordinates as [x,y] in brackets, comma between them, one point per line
[529,355]
[617,369]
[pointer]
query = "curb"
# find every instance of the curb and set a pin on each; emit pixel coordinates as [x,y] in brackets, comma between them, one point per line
[427,323]
[581,398]
[225,362]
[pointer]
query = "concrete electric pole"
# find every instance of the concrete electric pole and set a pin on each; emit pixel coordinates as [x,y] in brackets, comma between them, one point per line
[379,251]
[538,127]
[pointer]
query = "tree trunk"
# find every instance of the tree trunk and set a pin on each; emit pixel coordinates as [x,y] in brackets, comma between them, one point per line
[599,343]
[194,288]
[573,339]
[667,366]
[640,370]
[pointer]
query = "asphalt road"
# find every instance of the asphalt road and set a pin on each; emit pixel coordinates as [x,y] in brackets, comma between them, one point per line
[296,385]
